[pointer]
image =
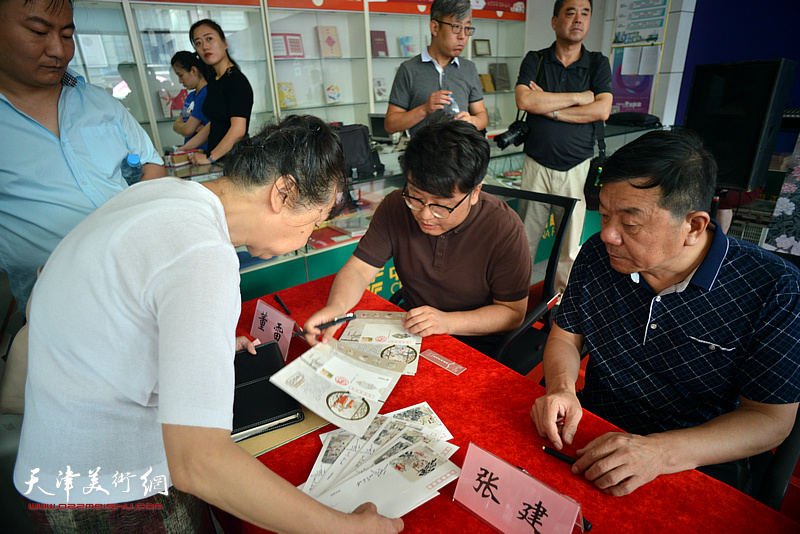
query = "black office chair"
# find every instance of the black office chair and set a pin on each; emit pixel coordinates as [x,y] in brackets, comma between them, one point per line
[521,349]
[780,468]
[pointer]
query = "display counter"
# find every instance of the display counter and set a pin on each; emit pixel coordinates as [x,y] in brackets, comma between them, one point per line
[329,248]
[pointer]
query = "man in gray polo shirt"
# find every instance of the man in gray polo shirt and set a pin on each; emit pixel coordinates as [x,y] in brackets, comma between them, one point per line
[438,81]
[564,88]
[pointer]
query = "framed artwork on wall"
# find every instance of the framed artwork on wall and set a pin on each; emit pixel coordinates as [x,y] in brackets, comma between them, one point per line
[481,47]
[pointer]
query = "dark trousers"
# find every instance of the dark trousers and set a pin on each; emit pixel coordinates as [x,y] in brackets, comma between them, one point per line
[485,344]
[744,475]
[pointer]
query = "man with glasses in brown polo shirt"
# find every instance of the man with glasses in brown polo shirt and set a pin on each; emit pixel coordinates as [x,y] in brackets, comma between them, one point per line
[461,255]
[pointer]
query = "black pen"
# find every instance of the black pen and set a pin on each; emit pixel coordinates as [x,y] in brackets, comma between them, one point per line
[339,320]
[587,526]
[280,301]
[557,454]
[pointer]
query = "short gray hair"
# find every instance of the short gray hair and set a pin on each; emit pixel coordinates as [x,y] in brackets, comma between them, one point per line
[302,147]
[458,9]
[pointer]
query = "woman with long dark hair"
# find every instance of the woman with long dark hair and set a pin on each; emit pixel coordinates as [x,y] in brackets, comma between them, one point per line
[230,97]
[191,72]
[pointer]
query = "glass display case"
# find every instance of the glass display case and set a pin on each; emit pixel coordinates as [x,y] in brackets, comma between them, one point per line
[394,39]
[335,59]
[164,30]
[110,48]
[104,55]
[500,45]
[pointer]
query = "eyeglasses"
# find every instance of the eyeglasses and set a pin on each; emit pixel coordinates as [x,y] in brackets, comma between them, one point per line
[439,211]
[458,27]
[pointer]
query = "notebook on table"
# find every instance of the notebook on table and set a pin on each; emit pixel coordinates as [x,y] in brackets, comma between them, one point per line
[258,405]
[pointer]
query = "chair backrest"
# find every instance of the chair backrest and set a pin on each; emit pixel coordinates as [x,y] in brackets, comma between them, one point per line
[568,204]
[548,289]
[779,471]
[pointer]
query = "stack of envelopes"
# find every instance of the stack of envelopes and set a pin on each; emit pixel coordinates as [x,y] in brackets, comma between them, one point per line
[398,463]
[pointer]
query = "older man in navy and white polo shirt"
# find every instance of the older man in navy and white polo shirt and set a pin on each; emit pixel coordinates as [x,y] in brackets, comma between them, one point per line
[693,336]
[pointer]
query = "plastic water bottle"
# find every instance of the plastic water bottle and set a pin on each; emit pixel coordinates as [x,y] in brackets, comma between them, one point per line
[454,107]
[132,169]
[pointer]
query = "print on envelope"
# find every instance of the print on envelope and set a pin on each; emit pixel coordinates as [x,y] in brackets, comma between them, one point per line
[382,334]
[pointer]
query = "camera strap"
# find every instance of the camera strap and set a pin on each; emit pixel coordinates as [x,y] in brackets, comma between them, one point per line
[599,126]
[600,135]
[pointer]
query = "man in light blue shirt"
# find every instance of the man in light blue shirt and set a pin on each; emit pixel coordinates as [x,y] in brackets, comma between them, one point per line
[63,140]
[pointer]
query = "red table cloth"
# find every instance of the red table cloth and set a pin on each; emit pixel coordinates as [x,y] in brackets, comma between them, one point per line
[489,405]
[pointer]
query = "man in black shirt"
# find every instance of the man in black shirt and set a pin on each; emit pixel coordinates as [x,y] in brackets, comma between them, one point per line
[564,88]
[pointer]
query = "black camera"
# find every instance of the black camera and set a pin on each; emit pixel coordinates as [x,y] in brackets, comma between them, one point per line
[515,135]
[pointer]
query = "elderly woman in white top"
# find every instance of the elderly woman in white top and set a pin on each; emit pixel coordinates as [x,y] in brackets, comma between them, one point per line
[129,396]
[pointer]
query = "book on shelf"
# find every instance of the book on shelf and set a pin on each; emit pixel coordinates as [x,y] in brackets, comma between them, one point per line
[294,42]
[258,405]
[380,88]
[286,96]
[287,45]
[327,236]
[332,94]
[329,44]
[408,47]
[486,83]
[499,73]
[380,47]
[352,226]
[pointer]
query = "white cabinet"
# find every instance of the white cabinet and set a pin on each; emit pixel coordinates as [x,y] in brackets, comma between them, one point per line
[413,30]
[326,71]
[506,42]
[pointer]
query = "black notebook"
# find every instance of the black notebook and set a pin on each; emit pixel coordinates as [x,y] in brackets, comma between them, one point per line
[259,405]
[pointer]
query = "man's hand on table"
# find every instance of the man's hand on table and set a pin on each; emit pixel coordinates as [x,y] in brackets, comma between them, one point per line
[372,522]
[556,416]
[426,321]
[618,463]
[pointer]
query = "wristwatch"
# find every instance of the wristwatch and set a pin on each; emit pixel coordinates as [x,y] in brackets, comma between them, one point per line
[210,159]
[555,115]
